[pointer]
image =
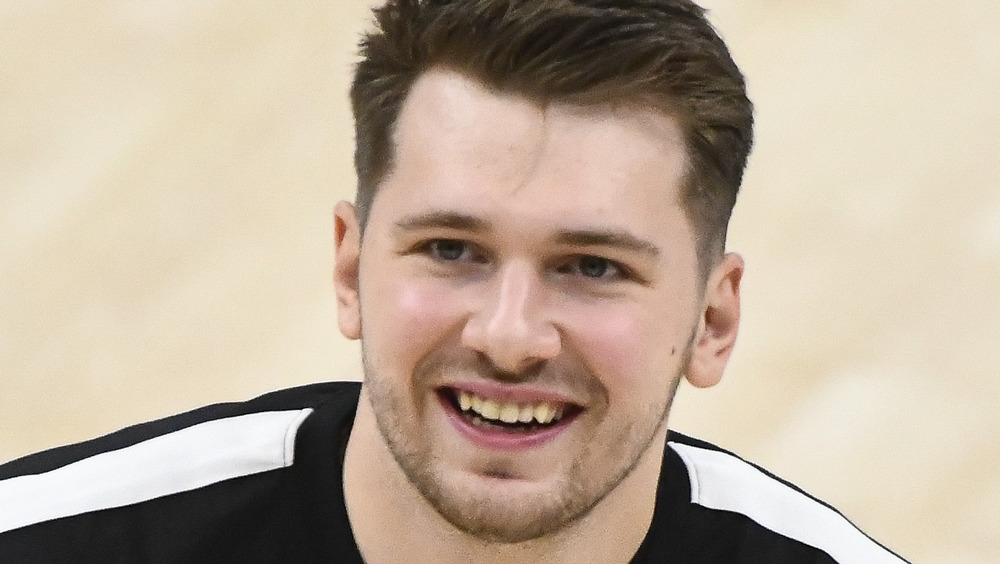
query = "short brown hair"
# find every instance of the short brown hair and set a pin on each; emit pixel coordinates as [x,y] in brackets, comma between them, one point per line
[662,54]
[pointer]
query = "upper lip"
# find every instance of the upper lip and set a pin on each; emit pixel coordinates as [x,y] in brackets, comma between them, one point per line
[513,393]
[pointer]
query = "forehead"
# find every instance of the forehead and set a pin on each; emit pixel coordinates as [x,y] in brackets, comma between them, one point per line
[457,143]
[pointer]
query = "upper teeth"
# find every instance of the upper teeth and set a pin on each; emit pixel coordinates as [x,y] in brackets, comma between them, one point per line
[542,412]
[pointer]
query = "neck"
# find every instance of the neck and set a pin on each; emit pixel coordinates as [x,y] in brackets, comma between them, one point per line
[389,517]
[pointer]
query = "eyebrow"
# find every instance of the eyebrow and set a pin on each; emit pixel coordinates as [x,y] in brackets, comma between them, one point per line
[442,219]
[604,238]
[576,237]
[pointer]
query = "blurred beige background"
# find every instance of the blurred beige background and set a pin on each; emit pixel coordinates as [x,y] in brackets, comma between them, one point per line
[168,170]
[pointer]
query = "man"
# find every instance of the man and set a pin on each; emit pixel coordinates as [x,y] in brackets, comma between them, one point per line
[534,260]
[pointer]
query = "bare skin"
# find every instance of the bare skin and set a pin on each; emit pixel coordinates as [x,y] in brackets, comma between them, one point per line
[525,257]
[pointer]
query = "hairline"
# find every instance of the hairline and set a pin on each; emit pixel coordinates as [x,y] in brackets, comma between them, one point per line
[592,100]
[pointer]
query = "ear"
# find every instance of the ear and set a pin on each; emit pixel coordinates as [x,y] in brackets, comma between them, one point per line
[718,324]
[347,256]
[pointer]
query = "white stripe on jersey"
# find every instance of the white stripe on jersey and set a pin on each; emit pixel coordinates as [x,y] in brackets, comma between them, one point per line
[724,482]
[177,462]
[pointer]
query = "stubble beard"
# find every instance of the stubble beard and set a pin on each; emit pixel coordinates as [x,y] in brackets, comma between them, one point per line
[494,518]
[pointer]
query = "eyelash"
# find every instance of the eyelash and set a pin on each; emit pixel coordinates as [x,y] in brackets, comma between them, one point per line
[432,248]
[618,272]
[574,265]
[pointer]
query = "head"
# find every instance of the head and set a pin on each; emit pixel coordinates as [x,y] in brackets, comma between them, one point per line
[658,54]
[544,187]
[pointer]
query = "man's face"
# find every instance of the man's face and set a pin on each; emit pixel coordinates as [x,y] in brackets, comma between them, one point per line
[528,295]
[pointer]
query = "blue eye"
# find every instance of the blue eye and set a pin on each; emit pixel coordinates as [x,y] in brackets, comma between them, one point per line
[448,249]
[593,267]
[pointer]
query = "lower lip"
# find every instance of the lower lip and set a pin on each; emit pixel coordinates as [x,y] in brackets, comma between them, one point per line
[496,439]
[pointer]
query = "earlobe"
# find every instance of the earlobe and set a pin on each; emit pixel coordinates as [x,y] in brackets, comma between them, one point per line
[347,233]
[718,325]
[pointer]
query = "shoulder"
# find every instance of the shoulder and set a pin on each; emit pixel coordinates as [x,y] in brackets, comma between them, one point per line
[301,397]
[160,458]
[727,492]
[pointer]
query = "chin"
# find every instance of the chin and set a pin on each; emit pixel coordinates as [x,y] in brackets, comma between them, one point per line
[496,508]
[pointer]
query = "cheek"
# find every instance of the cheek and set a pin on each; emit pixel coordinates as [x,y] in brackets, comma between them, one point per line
[425,310]
[402,320]
[613,345]
[630,345]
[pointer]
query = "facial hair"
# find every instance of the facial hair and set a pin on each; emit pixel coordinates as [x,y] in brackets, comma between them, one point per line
[488,515]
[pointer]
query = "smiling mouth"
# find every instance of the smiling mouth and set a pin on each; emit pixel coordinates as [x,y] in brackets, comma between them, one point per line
[510,417]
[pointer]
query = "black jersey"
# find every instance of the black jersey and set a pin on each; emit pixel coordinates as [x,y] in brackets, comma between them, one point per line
[261,481]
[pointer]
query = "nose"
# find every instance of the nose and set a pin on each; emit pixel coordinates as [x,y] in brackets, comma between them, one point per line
[510,323]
